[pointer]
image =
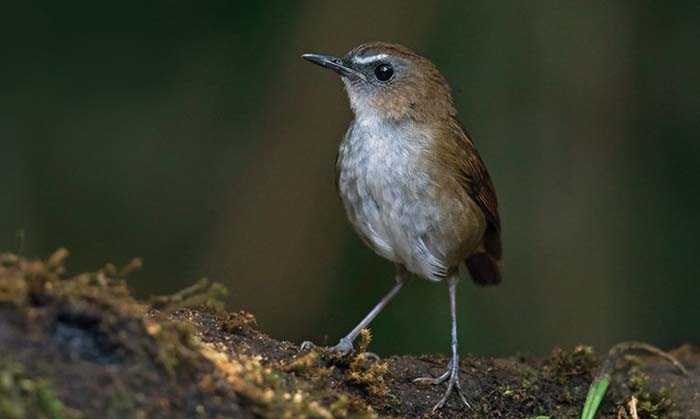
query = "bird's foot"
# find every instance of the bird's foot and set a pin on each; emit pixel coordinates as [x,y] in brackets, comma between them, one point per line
[453,384]
[343,348]
[306,345]
[433,380]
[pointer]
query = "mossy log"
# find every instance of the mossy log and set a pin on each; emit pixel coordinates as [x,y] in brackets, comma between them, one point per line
[83,347]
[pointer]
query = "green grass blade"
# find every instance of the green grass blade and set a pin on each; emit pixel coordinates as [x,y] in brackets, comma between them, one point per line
[595,395]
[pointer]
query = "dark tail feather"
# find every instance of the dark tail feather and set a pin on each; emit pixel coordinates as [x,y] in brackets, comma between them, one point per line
[484,269]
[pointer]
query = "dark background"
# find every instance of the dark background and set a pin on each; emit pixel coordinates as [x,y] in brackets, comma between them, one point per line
[193,135]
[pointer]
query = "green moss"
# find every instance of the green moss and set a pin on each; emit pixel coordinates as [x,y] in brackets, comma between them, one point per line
[239,322]
[203,293]
[121,328]
[119,321]
[361,369]
[165,368]
[309,365]
[24,397]
[650,404]
[271,394]
[368,374]
[175,346]
[565,364]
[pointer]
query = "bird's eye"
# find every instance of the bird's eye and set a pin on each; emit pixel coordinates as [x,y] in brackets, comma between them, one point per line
[383,72]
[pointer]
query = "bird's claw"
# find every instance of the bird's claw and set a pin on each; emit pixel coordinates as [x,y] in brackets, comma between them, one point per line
[432,380]
[453,383]
[371,356]
[343,347]
[306,345]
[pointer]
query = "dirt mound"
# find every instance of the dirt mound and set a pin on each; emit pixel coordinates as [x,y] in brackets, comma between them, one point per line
[81,347]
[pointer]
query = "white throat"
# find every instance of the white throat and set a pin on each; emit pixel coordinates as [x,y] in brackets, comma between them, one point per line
[365,114]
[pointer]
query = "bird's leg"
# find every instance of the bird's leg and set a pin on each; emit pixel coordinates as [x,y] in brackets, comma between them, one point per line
[345,346]
[452,373]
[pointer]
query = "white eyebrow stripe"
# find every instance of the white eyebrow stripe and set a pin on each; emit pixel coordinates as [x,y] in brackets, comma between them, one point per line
[365,60]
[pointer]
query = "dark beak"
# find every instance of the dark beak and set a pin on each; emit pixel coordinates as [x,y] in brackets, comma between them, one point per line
[334,63]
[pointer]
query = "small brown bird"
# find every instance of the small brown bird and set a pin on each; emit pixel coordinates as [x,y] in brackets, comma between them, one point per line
[413,185]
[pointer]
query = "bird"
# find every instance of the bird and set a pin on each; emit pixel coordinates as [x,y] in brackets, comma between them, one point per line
[412,182]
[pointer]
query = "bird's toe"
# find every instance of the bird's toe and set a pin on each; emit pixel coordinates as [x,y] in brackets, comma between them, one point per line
[432,380]
[306,345]
[343,347]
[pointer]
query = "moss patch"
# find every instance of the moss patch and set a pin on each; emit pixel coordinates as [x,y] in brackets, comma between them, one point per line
[651,401]
[81,346]
[22,397]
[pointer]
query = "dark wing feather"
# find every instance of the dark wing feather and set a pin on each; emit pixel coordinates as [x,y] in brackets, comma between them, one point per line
[475,178]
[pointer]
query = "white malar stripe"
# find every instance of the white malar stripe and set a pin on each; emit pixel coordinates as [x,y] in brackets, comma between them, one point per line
[371,58]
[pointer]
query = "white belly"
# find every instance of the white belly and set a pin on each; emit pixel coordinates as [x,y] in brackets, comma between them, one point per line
[394,205]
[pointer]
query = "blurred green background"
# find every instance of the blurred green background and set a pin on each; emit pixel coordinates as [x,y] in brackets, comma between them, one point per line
[193,135]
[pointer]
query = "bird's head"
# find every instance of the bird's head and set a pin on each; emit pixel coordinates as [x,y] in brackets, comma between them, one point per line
[389,81]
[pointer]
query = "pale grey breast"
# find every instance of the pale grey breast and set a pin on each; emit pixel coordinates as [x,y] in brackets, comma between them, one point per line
[396,206]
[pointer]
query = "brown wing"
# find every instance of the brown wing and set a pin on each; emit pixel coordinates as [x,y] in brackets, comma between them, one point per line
[474,177]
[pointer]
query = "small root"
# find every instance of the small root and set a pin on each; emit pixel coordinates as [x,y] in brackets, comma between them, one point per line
[621,348]
[632,406]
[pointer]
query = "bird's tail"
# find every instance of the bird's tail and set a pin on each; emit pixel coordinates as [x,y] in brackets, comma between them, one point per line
[484,269]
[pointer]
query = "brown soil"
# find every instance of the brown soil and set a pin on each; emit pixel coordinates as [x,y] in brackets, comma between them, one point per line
[82,347]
